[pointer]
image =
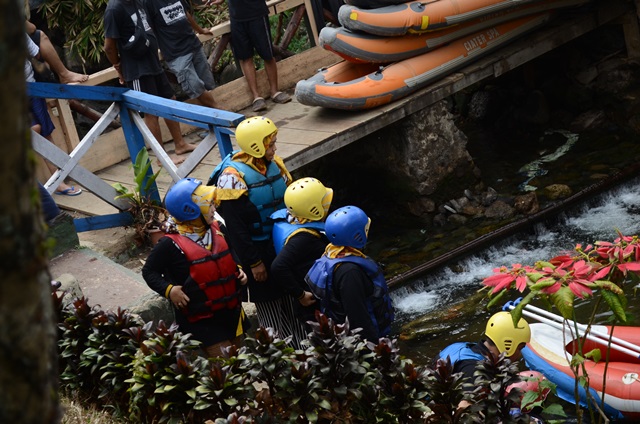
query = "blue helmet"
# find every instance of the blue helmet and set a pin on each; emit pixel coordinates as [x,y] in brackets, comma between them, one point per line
[348,226]
[178,200]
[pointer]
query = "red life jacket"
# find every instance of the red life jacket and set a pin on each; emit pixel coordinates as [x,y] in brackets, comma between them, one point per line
[212,284]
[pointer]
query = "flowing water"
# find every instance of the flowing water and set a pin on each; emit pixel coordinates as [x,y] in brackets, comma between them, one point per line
[427,312]
[445,306]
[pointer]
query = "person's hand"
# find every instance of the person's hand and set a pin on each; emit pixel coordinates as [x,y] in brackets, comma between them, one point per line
[206,31]
[178,297]
[307,299]
[242,277]
[259,273]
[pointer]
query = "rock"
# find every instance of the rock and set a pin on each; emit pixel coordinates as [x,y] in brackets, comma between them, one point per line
[499,210]
[429,148]
[421,206]
[153,307]
[63,232]
[457,219]
[557,191]
[472,210]
[526,204]
[489,197]
[589,120]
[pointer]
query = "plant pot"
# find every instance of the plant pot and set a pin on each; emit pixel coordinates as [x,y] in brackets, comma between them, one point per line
[155,234]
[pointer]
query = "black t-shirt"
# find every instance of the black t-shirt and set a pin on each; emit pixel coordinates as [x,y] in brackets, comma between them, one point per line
[247,10]
[168,18]
[120,23]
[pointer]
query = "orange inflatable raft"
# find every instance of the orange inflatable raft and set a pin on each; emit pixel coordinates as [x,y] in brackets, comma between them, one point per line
[357,86]
[357,46]
[417,17]
[548,354]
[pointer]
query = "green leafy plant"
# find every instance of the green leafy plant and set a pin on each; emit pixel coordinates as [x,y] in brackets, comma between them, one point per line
[82,23]
[156,375]
[147,212]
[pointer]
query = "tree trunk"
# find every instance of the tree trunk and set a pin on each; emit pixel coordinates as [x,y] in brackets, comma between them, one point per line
[28,372]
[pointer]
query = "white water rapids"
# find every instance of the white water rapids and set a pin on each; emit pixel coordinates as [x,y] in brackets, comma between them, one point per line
[617,209]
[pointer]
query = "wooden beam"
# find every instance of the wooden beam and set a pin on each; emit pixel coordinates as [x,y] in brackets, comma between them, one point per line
[631,34]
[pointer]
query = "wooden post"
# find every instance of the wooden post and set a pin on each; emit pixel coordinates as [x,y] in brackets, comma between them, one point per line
[312,20]
[632,32]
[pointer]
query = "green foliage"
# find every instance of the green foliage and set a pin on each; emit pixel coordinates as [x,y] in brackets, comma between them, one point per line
[156,375]
[146,211]
[83,26]
[82,23]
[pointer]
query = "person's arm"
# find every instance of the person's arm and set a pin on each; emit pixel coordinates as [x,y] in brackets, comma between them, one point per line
[354,287]
[113,55]
[239,215]
[165,266]
[196,28]
[294,257]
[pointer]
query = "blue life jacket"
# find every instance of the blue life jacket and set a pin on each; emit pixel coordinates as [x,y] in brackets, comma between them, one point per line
[266,192]
[460,351]
[283,229]
[320,279]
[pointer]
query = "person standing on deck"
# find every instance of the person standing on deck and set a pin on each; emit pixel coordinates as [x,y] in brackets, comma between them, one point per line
[298,237]
[250,30]
[40,119]
[251,184]
[174,26]
[139,68]
[349,284]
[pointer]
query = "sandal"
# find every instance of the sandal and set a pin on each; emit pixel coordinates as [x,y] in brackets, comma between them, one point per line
[71,191]
[281,97]
[259,104]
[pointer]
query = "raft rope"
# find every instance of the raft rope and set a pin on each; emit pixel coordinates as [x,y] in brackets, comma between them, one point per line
[556,321]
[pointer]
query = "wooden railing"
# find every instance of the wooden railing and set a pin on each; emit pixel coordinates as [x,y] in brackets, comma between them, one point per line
[233,96]
[126,105]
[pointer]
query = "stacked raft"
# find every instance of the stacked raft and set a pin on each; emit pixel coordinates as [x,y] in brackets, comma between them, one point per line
[394,50]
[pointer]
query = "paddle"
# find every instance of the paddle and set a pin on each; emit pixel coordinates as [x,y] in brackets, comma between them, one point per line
[556,321]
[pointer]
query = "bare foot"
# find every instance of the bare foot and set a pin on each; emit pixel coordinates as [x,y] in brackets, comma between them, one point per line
[185,148]
[177,160]
[70,77]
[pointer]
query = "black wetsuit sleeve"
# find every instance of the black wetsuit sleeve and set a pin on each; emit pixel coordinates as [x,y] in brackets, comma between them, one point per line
[239,216]
[165,265]
[467,367]
[294,261]
[353,287]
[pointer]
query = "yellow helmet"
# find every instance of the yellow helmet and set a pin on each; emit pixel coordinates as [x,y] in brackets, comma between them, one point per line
[504,335]
[308,198]
[254,134]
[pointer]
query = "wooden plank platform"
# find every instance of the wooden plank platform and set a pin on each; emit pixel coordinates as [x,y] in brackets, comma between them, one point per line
[308,133]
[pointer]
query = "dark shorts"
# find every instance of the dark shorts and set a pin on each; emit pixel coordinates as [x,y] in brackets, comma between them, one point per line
[249,35]
[40,116]
[158,85]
